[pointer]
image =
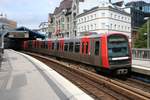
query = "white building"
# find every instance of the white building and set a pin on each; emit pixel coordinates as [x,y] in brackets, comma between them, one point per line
[104,18]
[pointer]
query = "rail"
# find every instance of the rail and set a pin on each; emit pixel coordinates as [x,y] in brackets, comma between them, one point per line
[141,53]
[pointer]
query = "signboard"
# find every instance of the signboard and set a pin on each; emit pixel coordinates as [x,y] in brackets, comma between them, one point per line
[18,34]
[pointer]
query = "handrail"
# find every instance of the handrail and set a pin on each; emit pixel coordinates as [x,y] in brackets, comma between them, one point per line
[141,53]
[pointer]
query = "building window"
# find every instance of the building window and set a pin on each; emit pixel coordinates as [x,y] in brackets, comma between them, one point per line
[118,27]
[115,26]
[62,19]
[84,28]
[91,27]
[82,19]
[129,28]
[118,17]
[95,26]
[128,19]
[88,27]
[95,15]
[103,25]
[125,27]
[111,15]
[110,26]
[91,16]
[115,16]
[122,27]
[103,14]
[67,19]
[79,29]
[85,19]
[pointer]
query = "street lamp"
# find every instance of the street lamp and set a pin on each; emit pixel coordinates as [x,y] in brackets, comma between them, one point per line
[148,29]
[3,33]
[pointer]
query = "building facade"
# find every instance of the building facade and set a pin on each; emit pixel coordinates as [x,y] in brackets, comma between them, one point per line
[62,22]
[103,19]
[138,10]
[9,24]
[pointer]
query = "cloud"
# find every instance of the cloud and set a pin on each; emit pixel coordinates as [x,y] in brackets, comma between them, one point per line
[88,4]
[28,12]
[32,12]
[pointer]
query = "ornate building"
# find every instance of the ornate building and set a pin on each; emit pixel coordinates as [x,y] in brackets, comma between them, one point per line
[62,22]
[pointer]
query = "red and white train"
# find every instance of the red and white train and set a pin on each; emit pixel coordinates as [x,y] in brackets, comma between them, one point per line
[108,52]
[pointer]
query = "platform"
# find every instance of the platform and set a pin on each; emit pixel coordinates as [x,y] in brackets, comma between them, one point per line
[141,66]
[25,78]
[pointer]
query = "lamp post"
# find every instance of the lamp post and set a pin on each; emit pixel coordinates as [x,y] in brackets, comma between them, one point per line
[148,33]
[3,33]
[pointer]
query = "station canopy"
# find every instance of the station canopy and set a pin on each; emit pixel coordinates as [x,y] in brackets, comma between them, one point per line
[32,34]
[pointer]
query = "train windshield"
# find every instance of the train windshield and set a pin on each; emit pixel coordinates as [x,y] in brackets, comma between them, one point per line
[117,46]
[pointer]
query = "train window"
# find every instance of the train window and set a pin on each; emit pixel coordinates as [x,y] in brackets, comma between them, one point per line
[87,45]
[97,48]
[52,46]
[66,47]
[71,47]
[77,47]
[57,45]
[42,44]
[46,44]
[82,47]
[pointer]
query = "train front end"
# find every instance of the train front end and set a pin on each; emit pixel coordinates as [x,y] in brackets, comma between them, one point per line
[119,54]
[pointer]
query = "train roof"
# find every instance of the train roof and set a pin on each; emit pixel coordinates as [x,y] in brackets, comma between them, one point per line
[88,36]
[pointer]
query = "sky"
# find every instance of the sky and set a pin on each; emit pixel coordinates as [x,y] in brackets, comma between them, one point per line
[30,13]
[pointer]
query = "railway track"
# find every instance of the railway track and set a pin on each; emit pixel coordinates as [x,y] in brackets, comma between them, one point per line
[136,84]
[128,81]
[97,86]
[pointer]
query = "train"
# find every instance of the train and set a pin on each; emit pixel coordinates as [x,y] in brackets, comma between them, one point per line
[108,53]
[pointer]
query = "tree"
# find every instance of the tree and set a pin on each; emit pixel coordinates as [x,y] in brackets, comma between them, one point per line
[141,42]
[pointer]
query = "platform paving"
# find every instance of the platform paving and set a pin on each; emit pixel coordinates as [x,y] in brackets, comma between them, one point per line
[141,66]
[21,79]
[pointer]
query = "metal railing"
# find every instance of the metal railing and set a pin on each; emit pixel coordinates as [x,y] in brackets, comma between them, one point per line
[141,53]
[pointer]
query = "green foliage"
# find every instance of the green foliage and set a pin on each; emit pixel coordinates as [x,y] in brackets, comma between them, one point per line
[141,42]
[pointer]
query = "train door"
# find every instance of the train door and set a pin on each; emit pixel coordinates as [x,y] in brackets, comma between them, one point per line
[97,57]
[85,49]
[61,47]
[49,45]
